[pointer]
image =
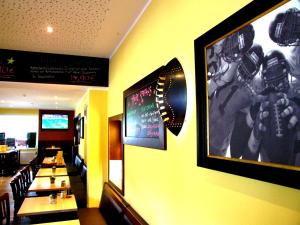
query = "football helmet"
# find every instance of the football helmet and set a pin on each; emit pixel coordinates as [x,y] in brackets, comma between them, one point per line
[285,28]
[275,71]
[235,45]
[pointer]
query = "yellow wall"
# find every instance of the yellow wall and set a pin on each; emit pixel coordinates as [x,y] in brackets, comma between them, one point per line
[166,187]
[93,148]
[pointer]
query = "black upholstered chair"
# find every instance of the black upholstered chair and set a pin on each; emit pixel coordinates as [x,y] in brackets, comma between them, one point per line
[83,174]
[75,169]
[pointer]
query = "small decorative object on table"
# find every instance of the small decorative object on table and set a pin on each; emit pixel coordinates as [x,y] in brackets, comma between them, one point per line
[52,179]
[53,168]
[63,194]
[53,198]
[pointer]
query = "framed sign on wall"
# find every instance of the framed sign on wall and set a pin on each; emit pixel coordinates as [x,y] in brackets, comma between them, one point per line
[248,101]
[142,124]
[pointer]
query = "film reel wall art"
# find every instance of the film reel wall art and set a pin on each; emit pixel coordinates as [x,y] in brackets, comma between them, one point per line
[171,96]
[156,102]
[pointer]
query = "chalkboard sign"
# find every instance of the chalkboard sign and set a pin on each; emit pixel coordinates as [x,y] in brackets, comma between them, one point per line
[143,125]
[22,66]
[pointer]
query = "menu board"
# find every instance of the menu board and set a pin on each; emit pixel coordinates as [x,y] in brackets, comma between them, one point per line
[22,66]
[143,118]
[143,124]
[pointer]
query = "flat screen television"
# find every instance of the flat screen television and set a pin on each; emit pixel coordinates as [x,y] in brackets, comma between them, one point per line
[55,121]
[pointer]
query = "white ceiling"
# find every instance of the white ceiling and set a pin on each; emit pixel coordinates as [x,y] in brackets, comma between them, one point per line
[81,27]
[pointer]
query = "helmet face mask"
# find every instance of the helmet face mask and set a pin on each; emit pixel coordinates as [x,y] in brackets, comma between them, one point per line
[250,64]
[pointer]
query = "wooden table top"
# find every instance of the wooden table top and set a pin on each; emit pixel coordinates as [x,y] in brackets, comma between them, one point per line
[48,161]
[53,148]
[43,184]
[47,172]
[66,222]
[40,205]
[8,151]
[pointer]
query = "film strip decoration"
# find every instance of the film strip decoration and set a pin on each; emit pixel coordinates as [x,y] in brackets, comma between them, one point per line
[171,96]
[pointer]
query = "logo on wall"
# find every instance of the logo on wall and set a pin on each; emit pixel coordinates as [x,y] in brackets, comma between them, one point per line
[7,68]
[171,96]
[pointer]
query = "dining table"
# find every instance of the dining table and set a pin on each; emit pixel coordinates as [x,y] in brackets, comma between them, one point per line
[66,222]
[35,206]
[48,172]
[43,184]
[53,161]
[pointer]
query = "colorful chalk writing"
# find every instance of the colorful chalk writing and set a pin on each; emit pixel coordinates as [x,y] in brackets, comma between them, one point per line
[138,98]
[143,118]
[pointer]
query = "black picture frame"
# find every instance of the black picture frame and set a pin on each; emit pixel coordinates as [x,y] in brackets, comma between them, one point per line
[82,127]
[285,175]
[76,129]
[158,140]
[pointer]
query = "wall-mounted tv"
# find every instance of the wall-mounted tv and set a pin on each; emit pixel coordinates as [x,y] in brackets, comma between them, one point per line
[55,121]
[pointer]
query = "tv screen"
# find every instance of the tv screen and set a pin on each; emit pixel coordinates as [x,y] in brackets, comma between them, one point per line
[55,121]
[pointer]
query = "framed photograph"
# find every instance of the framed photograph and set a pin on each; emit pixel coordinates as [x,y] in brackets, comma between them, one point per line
[248,93]
[142,124]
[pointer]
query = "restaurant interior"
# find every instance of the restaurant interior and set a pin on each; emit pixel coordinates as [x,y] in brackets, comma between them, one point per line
[68,155]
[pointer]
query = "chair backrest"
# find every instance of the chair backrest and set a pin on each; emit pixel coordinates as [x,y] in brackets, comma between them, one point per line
[34,166]
[26,177]
[4,209]
[18,191]
[83,174]
[78,162]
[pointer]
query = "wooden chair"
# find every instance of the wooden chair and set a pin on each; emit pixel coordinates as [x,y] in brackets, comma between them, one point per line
[4,209]
[26,177]
[13,163]
[34,164]
[2,164]
[18,192]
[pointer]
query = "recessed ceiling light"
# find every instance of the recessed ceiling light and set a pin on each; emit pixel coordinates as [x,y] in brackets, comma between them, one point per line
[49,29]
